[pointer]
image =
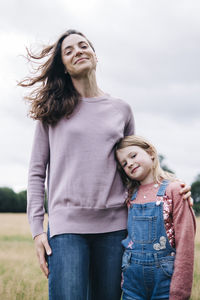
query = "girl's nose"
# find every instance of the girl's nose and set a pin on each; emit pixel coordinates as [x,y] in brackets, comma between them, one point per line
[130,164]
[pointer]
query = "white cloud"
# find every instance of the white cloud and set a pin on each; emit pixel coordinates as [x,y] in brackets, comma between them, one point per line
[148,54]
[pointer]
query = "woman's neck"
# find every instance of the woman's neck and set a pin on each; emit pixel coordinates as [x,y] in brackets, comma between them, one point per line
[87,86]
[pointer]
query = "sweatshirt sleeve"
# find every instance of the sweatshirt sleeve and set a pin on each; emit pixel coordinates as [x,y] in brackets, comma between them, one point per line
[130,126]
[36,178]
[184,226]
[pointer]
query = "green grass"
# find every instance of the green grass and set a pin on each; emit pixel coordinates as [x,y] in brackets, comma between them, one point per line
[15,238]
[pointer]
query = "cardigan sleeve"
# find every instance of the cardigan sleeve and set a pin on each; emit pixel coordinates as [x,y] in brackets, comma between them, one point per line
[184,226]
[36,178]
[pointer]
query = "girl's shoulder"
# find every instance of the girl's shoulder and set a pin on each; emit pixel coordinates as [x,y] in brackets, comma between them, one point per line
[173,190]
[173,186]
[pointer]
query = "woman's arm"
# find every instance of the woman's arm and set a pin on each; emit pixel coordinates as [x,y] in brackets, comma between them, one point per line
[130,125]
[36,178]
[36,193]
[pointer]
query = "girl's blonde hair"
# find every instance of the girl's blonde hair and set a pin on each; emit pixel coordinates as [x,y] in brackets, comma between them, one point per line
[158,173]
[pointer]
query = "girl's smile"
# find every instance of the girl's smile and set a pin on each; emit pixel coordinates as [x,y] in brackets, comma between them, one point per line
[134,169]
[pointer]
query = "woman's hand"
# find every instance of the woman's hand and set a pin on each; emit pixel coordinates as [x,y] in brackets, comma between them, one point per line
[42,247]
[186,192]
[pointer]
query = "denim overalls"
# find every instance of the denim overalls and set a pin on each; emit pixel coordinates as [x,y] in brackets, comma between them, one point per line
[148,260]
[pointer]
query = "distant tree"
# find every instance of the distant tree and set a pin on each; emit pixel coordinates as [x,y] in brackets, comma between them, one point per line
[163,165]
[22,201]
[15,202]
[197,178]
[195,190]
[11,201]
[7,200]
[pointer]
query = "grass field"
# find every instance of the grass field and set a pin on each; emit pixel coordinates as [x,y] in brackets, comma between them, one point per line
[20,275]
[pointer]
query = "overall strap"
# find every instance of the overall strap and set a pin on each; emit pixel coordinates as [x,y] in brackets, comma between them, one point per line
[162,188]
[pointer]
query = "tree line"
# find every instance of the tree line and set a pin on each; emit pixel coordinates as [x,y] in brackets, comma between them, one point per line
[14,202]
[17,202]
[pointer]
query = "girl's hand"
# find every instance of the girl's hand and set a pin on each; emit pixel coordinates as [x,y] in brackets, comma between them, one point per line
[186,192]
[42,247]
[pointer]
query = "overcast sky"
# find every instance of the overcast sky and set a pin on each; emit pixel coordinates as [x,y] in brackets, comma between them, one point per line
[148,54]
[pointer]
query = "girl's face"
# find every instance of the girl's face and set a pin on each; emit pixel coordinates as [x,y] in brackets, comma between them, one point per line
[77,56]
[137,164]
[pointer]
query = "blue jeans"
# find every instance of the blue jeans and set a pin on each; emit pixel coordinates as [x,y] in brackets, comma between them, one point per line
[86,266]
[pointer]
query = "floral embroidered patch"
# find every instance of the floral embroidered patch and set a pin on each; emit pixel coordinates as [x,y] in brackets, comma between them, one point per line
[161,245]
[130,244]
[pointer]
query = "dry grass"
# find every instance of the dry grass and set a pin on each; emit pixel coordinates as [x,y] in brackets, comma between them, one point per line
[20,275]
[196,282]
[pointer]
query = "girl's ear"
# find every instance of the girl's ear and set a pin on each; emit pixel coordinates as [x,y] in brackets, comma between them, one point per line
[151,154]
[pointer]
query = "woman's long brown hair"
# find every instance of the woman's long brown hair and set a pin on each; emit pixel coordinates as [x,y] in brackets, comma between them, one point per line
[54,95]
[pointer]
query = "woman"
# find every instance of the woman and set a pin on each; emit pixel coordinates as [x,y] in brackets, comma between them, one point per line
[78,126]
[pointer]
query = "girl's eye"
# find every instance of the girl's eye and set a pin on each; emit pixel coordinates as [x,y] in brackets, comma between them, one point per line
[124,165]
[134,155]
[68,53]
[83,46]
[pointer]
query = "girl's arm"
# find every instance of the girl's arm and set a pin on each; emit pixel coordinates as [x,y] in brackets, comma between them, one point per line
[184,226]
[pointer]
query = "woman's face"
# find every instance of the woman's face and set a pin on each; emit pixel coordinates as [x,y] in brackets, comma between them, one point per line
[77,56]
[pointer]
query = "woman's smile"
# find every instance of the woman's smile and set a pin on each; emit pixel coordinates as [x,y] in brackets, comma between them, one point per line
[80,59]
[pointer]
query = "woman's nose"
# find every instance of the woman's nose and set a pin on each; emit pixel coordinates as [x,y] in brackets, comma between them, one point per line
[78,51]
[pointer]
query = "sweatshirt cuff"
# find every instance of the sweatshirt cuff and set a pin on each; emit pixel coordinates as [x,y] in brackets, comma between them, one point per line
[36,227]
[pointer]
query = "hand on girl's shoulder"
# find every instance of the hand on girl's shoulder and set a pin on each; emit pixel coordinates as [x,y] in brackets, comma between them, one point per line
[180,206]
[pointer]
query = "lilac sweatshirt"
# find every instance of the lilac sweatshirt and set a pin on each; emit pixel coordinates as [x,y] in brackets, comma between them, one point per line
[85,192]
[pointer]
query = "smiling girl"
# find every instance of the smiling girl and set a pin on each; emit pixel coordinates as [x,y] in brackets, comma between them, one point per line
[159,249]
